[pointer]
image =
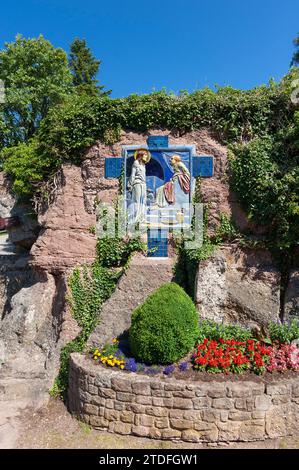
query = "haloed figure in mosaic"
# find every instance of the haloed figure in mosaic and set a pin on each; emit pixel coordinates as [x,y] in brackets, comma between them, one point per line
[179,184]
[137,187]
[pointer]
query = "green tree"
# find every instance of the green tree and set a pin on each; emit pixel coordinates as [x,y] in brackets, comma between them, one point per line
[84,68]
[295,59]
[28,166]
[36,76]
[3,131]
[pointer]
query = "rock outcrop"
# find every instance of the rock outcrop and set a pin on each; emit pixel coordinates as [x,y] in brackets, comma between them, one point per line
[65,239]
[24,233]
[143,276]
[291,299]
[34,320]
[7,201]
[238,285]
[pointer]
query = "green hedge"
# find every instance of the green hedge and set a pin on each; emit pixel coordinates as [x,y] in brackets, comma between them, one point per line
[165,327]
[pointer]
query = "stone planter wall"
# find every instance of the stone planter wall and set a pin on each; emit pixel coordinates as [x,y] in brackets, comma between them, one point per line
[167,408]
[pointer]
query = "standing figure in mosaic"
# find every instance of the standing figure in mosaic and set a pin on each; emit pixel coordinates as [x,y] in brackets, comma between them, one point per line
[137,187]
[179,184]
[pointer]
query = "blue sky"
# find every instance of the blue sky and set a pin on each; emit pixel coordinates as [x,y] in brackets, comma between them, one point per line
[175,44]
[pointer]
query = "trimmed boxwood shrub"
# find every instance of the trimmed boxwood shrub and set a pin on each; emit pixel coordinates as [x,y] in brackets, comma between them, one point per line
[165,327]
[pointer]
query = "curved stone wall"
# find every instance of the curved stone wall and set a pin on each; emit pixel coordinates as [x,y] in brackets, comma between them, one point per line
[167,408]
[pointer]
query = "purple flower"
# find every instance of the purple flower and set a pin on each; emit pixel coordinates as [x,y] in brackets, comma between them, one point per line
[130,364]
[168,370]
[183,366]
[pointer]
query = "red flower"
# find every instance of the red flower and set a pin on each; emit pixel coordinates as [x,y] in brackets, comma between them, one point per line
[202,361]
[213,362]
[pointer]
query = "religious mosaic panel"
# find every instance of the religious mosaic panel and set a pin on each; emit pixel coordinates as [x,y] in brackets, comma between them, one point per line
[159,186]
[158,182]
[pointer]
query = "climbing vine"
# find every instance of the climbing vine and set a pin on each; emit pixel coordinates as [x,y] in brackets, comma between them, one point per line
[89,287]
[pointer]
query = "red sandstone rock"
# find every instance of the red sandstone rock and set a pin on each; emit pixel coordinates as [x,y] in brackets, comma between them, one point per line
[65,239]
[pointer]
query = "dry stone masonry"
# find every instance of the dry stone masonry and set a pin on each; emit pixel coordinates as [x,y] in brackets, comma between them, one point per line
[176,409]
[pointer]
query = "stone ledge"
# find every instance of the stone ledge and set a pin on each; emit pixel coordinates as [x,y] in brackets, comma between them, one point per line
[213,411]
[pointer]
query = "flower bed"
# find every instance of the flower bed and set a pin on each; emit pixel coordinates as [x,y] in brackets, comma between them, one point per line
[231,356]
[219,349]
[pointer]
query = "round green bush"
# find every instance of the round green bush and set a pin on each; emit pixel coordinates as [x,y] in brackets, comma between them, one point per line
[165,327]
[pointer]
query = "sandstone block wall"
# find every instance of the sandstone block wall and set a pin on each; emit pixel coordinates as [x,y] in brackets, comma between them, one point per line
[175,409]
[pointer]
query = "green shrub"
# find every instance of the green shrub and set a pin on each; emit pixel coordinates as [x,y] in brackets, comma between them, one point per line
[285,333]
[28,166]
[212,330]
[165,327]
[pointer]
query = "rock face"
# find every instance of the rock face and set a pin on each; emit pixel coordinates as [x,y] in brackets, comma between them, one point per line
[30,333]
[234,285]
[7,201]
[65,239]
[143,276]
[34,321]
[238,285]
[25,232]
[291,300]
[14,274]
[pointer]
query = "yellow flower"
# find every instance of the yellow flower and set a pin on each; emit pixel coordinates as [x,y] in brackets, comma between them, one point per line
[122,366]
[115,340]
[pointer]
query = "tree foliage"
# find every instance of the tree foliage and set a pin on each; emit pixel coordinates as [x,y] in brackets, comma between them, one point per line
[234,115]
[36,76]
[84,67]
[265,175]
[295,59]
[28,166]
